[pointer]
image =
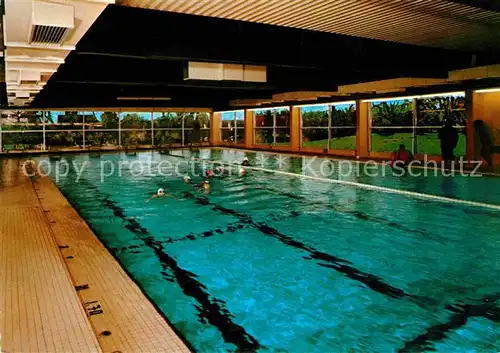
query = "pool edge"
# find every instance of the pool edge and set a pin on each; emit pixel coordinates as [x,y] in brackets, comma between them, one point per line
[53,211]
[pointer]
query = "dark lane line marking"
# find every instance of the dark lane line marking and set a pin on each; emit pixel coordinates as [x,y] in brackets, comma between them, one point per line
[230,228]
[340,265]
[358,214]
[435,333]
[211,310]
[463,312]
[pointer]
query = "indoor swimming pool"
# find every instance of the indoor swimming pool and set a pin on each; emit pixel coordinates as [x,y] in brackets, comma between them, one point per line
[280,263]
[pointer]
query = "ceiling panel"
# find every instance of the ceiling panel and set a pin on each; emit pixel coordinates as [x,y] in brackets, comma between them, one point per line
[435,23]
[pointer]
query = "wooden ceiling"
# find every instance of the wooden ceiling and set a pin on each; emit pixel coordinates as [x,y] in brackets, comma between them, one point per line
[449,24]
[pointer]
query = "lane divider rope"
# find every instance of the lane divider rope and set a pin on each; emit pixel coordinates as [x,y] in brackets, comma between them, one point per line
[361,186]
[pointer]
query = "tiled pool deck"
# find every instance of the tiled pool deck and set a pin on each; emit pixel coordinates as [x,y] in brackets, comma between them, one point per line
[60,288]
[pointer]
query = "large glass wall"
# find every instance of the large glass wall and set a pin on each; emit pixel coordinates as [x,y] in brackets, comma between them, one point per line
[22,130]
[315,126]
[101,129]
[64,130]
[136,129]
[343,126]
[329,126]
[433,112]
[391,125]
[58,130]
[272,126]
[167,128]
[204,119]
[415,122]
[233,127]
[196,128]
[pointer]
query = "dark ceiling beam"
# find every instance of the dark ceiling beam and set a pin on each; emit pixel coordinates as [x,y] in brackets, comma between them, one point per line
[142,53]
[491,5]
[195,58]
[160,34]
[197,85]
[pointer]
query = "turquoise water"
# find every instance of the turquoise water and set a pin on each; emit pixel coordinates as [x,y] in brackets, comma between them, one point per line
[275,263]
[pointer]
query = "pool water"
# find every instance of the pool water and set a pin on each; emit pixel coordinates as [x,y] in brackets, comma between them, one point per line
[276,263]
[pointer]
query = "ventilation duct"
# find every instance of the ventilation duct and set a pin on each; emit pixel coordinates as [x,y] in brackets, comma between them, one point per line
[12,76]
[51,23]
[29,77]
[22,95]
[225,72]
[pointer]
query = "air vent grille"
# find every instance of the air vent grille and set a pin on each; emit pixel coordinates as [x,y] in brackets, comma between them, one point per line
[48,35]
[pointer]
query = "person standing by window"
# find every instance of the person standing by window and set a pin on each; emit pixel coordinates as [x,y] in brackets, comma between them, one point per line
[485,139]
[196,136]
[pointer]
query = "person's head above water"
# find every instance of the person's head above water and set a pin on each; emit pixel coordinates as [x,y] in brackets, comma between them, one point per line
[242,172]
[245,162]
[160,192]
[187,179]
[218,170]
[209,173]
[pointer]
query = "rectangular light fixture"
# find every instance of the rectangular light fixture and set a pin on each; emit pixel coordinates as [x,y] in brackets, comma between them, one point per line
[230,111]
[195,70]
[487,90]
[269,108]
[324,104]
[447,94]
[143,98]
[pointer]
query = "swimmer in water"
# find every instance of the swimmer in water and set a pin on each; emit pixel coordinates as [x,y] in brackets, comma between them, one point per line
[209,173]
[219,170]
[206,186]
[242,172]
[245,162]
[160,193]
[187,179]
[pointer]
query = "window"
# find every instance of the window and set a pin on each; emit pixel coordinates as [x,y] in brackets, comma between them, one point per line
[204,119]
[433,112]
[322,132]
[64,130]
[416,123]
[57,130]
[272,126]
[136,129]
[391,125]
[167,128]
[101,129]
[233,127]
[22,130]
[343,127]
[315,126]
[181,128]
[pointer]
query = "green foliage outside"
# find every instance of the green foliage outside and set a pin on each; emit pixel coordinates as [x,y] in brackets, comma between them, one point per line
[434,111]
[109,120]
[341,117]
[426,144]
[392,113]
[142,129]
[431,115]
[59,126]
